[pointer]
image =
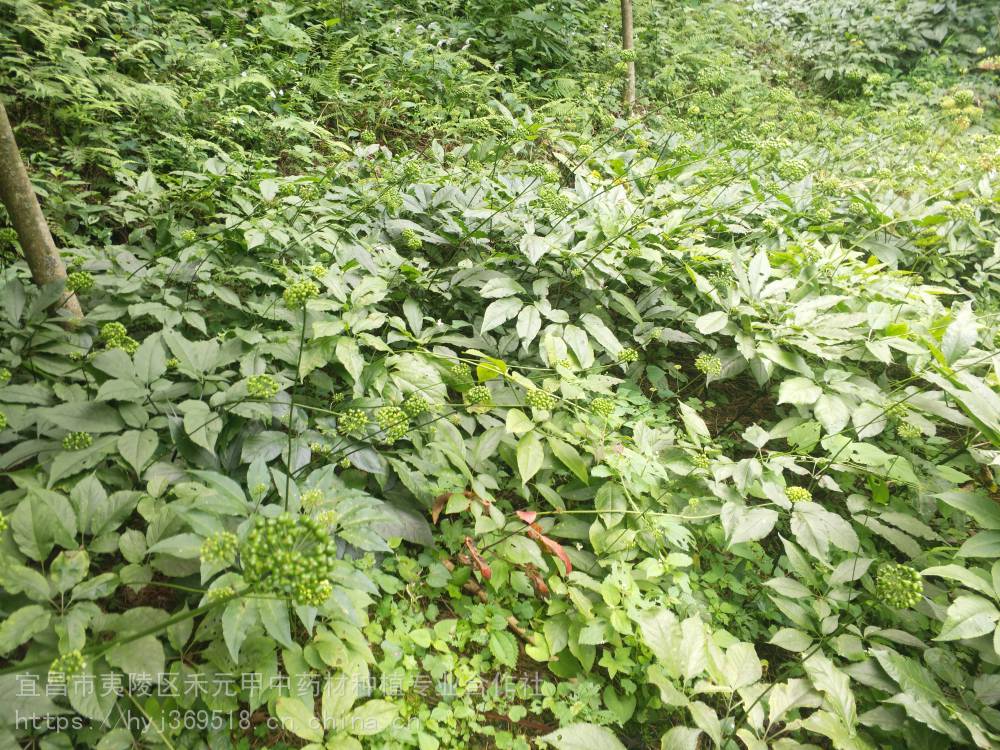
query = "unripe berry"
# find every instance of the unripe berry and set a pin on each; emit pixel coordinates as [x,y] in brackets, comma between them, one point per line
[411,240]
[393,422]
[351,421]
[68,664]
[898,586]
[627,355]
[798,494]
[536,398]
[415,405]
[602,407]
[77,441]
[263,387]
[708,364]
[219,548]
[79,281]
[297,294]
[479,395]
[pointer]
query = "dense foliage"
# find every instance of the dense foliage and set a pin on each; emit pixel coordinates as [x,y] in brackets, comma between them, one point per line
[427,399]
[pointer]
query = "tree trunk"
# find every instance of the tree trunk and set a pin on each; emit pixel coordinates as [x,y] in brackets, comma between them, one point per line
[18,197]
[628,44]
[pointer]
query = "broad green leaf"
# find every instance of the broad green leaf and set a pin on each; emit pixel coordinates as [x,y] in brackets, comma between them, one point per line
[371,717]
[137,448]
[21,626]
[298,719]
[968,617]
[570,458]
[530,456]
[583,737]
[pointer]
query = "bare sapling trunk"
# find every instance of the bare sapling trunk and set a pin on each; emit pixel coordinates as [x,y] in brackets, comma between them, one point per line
[628,44]
[18,197]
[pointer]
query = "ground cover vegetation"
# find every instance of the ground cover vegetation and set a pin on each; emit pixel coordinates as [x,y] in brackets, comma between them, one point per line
[428,397]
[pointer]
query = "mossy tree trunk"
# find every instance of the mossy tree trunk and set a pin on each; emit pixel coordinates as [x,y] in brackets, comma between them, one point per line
[18,196]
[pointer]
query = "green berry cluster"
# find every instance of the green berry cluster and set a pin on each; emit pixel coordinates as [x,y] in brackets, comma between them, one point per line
[393,422]
[627,55]
[219,548]
[552,200]
[411,240]
[77,441]
[336,398]
[297,294]
[798,494]
[536,398]
[4,523]
[173,363]
[479,395]
[602,407]
[5,376]
[584,150]
[461,371]
[962,212]
[908,431]
[793,170]
[368,137]
[542,172]
[898,586]
[392,200]
[3,421]
[311,499]
[289,556]
[708,364]
[68,664]
[896,409]
[701,461]
[79,281]
[328,518]
[351,421]
[411,171]
[188,236]
[263,387]
[222,593]
[415,405]
[115,336]
[345,463]
[320,449]
[627,355]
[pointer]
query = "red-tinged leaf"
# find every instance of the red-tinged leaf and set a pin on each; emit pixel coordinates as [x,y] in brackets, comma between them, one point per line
[528,516]
[556,549]
[536,580]
[484,569]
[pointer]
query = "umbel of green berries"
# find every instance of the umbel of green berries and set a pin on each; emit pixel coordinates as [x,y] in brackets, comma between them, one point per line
[351,421]
[79,281]
[77,441]
[908,430]
[536,398]
[411,171]
[115,336]
[263,387]
[392,200]
[3,523]
[68,664]
[3,421]
[793,170]
[461,371]
[708,364]
[479,395]
[4,376]
[289,556]
[297,294]
[798,494]
[220,548]
[602,407]
[898,585]
[627,355]
[415,405]
[393,422]
[552,200]
[411,240]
